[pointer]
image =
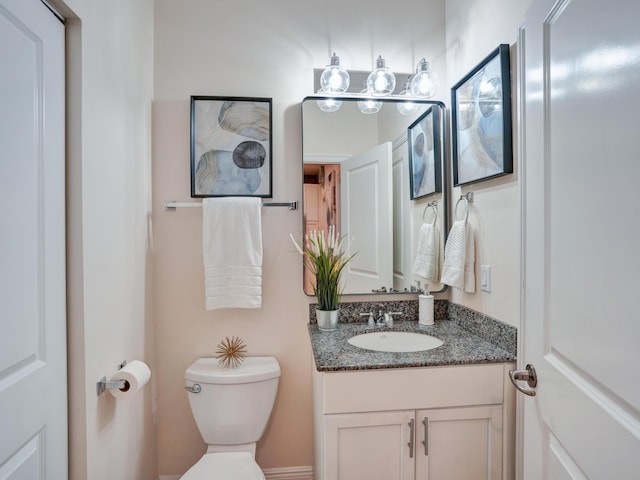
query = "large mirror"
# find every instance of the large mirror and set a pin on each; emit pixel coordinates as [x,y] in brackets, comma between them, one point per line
[378,177]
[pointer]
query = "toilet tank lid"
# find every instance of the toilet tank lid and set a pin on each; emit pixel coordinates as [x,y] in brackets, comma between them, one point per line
[253,369]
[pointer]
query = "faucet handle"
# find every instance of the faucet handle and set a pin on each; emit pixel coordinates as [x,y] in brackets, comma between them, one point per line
[371,322]
[388,318]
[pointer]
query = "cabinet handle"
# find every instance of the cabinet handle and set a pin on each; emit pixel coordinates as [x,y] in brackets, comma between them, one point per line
[410,444]
[425,442]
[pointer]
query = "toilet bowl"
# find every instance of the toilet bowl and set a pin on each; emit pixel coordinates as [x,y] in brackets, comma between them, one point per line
[231,407]
[225,466]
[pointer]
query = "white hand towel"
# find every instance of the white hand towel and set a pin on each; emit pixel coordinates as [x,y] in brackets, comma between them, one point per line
[232,252]
[428,252]
[458,269]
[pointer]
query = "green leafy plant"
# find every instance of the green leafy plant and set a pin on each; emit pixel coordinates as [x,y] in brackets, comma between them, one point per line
[326,257]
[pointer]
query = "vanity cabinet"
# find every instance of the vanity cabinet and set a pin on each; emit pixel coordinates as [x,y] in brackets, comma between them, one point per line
[436,423]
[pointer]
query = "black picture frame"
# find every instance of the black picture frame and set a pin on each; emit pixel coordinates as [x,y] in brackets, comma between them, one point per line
[231,147]
[481,121]
[424,144]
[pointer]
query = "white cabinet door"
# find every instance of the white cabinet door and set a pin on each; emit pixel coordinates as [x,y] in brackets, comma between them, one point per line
[369,446]
[459,443]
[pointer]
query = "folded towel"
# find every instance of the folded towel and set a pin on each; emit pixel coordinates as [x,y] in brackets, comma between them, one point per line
[232,252]
[428,252]
[458,269]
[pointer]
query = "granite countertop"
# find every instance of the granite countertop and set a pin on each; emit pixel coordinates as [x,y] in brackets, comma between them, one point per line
[332,352]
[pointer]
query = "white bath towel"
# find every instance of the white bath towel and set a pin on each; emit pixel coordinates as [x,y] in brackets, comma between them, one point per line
[428,252]
[458,269]
[232,252]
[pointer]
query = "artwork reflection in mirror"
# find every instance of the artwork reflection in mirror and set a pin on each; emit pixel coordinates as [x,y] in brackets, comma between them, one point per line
[357,177]
[424,148]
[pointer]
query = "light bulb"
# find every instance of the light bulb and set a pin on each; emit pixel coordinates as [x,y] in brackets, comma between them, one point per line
[328,104]
[334,78]
[381,81]
[369,105]
[425,82]
[406,107]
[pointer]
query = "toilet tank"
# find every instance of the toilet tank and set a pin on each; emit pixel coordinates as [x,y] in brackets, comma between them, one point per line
[234,404]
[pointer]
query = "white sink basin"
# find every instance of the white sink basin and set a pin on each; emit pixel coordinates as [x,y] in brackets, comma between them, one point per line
[395,341]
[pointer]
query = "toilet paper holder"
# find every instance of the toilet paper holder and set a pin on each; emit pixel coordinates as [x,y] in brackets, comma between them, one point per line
[102,384]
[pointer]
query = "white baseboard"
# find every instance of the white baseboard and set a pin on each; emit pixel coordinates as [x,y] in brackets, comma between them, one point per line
[286,473]
[289,473]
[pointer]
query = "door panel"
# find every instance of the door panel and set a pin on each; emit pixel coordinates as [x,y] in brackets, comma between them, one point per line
[33,443]
[402,220]
[369,446]
[461,444]
[580,257]
[372,232]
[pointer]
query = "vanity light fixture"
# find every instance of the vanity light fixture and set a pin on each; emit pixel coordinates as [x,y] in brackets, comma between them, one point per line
[424,83]
[408,107]
[381,81]
[334,79]
[334,83]
[368,105]
[329,104]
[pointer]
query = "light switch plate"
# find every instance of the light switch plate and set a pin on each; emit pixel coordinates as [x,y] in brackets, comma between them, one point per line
[485,278]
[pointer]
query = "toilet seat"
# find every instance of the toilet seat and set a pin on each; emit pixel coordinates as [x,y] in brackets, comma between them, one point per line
[225,466]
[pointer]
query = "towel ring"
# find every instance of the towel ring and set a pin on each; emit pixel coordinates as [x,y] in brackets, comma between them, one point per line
[434,206]
[455,214]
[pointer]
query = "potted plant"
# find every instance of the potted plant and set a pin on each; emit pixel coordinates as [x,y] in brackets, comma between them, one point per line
[326,257]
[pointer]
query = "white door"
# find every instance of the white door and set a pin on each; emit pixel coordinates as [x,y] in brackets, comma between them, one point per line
[365,196]
[581,236]
[402,218]
[33,387]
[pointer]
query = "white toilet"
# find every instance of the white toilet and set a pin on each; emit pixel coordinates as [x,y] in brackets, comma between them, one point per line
[231,407]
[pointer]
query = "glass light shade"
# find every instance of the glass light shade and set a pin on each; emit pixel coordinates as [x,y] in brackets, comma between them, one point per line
[425,82]
[408,107]
[369,105]
[381,81]
[334,79]
[329,104]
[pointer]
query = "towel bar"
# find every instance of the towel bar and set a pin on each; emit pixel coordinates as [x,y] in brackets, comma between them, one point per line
[170,205]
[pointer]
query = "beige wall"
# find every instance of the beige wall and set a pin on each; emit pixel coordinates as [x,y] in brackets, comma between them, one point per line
[474,29]
[110,86]
[259,49]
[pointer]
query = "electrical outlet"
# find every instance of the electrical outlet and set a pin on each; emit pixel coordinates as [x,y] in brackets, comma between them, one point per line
[485,278]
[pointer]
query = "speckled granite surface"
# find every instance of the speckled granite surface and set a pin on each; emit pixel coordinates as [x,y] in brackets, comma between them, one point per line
[492,330]
[492,341]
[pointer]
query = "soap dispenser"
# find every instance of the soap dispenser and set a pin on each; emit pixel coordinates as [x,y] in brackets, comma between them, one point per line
[425,307]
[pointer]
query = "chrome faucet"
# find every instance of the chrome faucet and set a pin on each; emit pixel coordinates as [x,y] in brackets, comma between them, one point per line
[371,322]
[386,319]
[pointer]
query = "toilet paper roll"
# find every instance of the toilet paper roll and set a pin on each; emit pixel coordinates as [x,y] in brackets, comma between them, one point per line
[425,309]
[136,374]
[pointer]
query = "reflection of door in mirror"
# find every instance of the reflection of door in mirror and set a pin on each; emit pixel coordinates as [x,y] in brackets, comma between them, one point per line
[403,245]
[366,218]
[321,204]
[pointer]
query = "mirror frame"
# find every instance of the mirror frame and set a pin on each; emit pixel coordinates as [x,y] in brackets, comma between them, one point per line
[445,174]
